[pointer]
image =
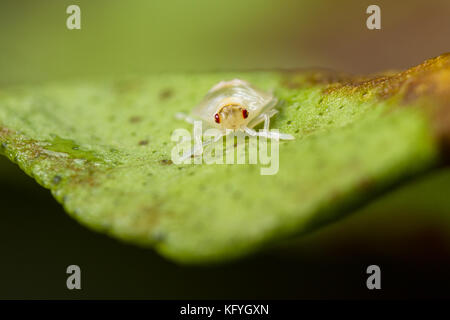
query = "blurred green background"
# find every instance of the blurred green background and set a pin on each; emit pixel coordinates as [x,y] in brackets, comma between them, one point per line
[142,36]
[406,231]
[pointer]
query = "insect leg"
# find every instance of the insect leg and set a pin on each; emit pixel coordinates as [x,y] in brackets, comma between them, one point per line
[266,121]
[267,116]
[269,134]
[261,117]
[250,132]
[285,136]
[212,141]
[194,150]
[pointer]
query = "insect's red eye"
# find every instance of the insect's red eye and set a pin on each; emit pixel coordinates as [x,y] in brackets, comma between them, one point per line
[217,118]
[245,113]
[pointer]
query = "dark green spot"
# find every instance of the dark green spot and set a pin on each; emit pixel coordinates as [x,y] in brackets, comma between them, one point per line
[166,162]
[166,94]
[135,119]
[143,142]
[56,179]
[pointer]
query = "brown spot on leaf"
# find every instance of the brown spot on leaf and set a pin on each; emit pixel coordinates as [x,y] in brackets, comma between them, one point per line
[135,119]
[166,162]
[166,94]
[56,179]
[366,184]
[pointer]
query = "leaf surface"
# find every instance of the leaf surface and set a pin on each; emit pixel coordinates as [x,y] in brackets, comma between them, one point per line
[103,148]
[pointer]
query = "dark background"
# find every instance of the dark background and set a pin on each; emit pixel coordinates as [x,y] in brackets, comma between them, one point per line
[409,240]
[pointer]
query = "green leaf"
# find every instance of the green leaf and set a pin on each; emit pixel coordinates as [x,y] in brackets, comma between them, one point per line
[104,147]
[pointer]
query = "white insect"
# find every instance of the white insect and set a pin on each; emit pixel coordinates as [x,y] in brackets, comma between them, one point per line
[236,106]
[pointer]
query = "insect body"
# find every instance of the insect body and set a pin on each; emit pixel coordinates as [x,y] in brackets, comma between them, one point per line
[236,105]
